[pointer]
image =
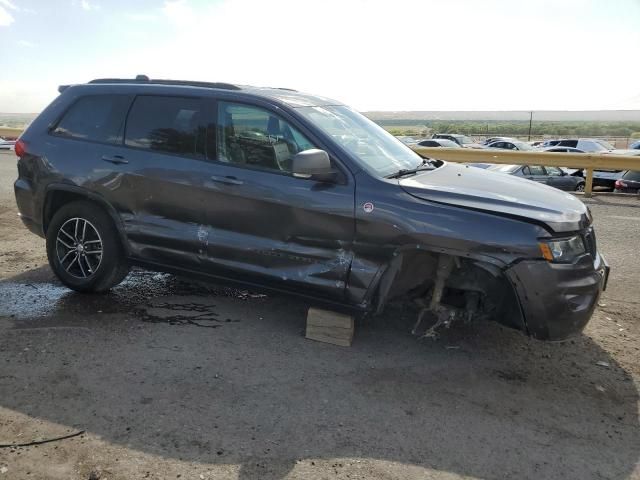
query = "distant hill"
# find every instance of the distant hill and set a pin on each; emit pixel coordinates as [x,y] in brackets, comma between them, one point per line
[515,115]
[16,120]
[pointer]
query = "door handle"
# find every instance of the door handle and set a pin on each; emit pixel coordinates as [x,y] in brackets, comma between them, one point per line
[229,180]
[115,159]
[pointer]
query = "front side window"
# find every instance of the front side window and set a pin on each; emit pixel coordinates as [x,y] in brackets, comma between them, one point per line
[554,171]
[97,118]
[165,124]
[372,146]
[256,137]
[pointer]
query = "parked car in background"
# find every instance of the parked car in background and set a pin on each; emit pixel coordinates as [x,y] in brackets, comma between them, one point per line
[562,150]
[584,144]
[496,139]
[511,145]
[7,144]
[439,142]
[462,140]
[552,176]
[635,145]
[629,182]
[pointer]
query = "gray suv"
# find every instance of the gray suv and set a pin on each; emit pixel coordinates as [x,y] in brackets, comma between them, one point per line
[292,192]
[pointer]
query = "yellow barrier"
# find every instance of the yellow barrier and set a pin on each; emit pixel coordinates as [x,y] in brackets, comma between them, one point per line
[588,161]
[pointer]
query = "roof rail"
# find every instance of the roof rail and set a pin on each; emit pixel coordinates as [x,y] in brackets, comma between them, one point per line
[188,83]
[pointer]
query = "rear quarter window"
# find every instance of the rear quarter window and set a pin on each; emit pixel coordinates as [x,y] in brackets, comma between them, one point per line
[166,124]
[633,175]
[97,118]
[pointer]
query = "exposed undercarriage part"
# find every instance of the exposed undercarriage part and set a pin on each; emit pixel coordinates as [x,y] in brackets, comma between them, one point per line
[449,289]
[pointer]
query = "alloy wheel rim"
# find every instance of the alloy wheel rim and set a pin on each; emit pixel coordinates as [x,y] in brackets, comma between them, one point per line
[79,248]
[580,188]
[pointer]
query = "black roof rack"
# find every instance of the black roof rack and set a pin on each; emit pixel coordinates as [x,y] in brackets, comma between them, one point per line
[144,79]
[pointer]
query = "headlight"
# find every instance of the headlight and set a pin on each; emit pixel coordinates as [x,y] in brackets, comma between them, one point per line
[564,251]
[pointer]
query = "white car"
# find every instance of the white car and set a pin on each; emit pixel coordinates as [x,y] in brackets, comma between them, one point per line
[587,145]
[7,144]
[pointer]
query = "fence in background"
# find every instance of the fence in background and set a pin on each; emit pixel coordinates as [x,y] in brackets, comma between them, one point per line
[617,142]
[587,161]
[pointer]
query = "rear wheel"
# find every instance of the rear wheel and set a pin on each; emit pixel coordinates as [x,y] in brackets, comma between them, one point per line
[84,248]
[580,187]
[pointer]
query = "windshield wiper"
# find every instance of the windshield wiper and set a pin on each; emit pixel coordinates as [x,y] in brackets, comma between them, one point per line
[424,165]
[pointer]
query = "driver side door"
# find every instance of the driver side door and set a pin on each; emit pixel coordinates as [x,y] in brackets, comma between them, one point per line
[558,179]
[264,225]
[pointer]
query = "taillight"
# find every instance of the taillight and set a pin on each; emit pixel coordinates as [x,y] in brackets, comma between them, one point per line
[620,184]
[20,148]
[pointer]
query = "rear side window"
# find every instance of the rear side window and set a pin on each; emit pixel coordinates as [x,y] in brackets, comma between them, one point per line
[166,124]
[98,118]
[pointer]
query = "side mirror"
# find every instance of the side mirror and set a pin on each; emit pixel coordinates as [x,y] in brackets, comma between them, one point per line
[313,164]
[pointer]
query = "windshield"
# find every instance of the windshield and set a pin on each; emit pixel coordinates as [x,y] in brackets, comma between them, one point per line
[375,148]
[606,145]
[523,146]
[464,140]
[504,168]
[632,175]
[448,143]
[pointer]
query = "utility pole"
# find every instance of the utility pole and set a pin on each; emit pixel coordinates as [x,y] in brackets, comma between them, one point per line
[530,121]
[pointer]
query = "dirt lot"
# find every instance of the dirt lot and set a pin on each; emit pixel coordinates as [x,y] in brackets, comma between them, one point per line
[172,379]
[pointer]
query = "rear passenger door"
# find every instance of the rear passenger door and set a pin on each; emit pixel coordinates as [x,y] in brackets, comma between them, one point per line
[158,186]
[263,224]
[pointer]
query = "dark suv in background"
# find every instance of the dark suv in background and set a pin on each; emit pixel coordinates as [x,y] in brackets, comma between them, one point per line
[297,193]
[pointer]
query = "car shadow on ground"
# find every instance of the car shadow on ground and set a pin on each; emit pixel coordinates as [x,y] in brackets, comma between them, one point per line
[480,401]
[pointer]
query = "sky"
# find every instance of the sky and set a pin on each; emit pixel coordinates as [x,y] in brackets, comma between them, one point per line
[373,55]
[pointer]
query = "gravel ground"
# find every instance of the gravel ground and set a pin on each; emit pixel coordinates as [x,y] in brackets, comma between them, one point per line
[169,379]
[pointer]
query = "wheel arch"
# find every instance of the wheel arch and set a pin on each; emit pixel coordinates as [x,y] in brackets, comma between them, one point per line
[58,195]
[413,267]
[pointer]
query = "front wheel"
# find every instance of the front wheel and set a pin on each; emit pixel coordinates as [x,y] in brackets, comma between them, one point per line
[84,248]
[580,187]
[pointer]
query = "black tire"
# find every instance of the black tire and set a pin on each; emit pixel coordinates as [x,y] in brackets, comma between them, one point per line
[91,271]
[580,187]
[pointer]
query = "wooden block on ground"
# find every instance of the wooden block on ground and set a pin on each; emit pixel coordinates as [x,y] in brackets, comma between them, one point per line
[330,327]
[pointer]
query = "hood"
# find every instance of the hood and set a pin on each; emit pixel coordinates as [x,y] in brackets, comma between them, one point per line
[501,194]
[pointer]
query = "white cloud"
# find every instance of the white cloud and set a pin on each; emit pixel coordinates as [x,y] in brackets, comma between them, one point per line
[6,18]
[378,56]
[26,43]
[89,6]
[179,12]
[8,4]
[141,17]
